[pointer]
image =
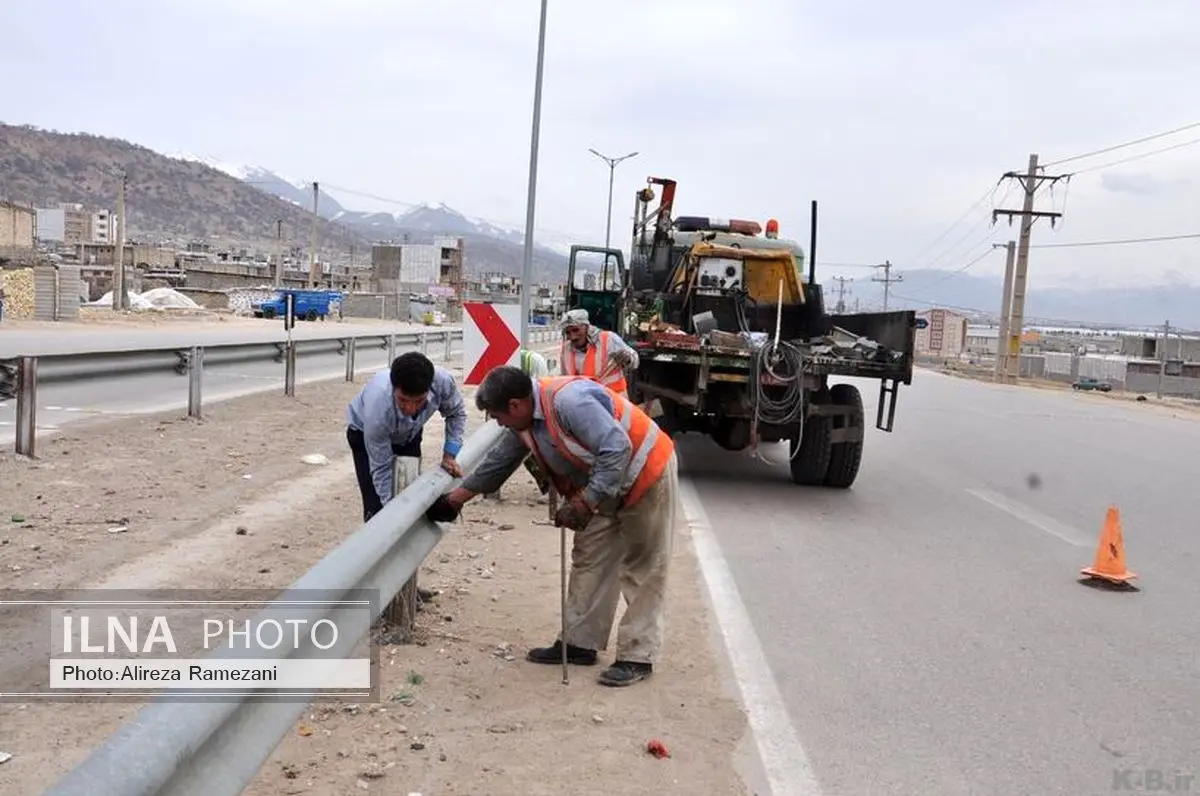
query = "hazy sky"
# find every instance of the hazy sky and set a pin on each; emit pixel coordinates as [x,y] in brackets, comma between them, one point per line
[896,117]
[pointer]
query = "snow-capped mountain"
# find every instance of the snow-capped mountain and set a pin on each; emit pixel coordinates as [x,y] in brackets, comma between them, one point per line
[416,224]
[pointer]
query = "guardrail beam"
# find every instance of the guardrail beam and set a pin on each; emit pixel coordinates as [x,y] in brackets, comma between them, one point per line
[425,343]
[26,442]
[391,348]
[216,748]
[449,341]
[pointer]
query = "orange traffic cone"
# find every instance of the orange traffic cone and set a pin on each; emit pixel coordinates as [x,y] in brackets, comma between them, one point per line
[1109,563]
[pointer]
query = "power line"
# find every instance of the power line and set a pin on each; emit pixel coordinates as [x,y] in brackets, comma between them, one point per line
[1132,158]
[990,192]
[1188,236]
[958,271]
[1115,147]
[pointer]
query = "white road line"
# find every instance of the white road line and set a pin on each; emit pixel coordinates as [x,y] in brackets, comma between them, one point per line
[783,758]
[1034,517]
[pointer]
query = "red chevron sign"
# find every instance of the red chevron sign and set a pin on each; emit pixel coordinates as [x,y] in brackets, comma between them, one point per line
[488,338]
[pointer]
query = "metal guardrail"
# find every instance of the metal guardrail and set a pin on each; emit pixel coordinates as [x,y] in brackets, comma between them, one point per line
[190,361]
[209,748]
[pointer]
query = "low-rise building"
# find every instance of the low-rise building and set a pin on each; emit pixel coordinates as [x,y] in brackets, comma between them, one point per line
[944,334]
[18,226]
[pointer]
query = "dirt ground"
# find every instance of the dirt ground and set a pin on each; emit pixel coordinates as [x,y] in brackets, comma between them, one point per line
[462,712]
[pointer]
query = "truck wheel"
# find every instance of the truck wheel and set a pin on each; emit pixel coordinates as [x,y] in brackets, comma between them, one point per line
[811,461]
[845,457]
[311,315]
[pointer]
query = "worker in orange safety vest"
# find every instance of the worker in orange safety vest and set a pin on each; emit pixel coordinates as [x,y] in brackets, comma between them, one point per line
[618,475]
[596,353]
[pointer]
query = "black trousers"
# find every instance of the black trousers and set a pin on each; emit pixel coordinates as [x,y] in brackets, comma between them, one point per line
[362,467]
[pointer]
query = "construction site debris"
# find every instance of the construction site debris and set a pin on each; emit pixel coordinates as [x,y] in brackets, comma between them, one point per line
[18,294]
[160,298]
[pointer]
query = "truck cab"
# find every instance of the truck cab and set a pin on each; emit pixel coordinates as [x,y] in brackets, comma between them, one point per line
[598,287]
[310,305]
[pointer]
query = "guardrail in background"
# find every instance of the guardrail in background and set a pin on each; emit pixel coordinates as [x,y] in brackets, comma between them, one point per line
[216,748]
[190,361]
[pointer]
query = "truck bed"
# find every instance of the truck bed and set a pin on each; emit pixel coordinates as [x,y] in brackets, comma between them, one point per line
[844,351]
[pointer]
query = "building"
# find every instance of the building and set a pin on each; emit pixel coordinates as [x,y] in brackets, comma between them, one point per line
[418,266]
[74,224]
[944,335]
[982,341]
[18,226]
[1147,346]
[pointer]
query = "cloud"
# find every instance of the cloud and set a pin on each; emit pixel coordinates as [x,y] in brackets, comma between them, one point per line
[895,117]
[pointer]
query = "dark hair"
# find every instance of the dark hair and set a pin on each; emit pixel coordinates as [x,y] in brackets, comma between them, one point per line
[412,373]
[501,385]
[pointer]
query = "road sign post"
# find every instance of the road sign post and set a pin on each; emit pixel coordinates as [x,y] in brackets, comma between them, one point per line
[489,338]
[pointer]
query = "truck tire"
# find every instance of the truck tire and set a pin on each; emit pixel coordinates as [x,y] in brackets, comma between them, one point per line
[845,457]
[810,463]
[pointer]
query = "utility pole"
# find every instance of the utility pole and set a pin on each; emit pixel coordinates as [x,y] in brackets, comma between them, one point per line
[1001,367]
[1162,359]
[279,263]
[841,302]
[314,266]
[119,290]
[612,167]
[887,281]
[531,197]
[1030,182]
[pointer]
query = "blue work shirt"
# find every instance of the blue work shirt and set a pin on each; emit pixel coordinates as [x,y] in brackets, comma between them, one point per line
[374,412]
[585,411]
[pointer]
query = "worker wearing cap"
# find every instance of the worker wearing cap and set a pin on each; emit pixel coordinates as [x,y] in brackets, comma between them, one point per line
[618,475]
[596,353]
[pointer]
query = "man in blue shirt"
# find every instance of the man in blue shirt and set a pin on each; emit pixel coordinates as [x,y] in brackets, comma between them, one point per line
[386,419]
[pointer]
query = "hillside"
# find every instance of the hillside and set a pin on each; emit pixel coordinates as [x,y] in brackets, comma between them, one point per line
[174,200]
[169,201]
[1146,306]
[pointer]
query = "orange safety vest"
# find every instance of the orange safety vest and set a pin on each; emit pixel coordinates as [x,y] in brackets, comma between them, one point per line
[594,362]
[652,449]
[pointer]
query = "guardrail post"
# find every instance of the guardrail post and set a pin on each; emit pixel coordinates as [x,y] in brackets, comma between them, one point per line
[449,338]
[425,343]
[289,369]
[391,349]
[195,380]
[351,345]
[26,442]
[401,612]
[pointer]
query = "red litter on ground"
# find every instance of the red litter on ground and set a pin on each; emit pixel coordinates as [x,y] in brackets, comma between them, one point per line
[658,749]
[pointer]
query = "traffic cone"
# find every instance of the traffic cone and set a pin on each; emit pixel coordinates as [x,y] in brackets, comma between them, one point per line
[1109,563]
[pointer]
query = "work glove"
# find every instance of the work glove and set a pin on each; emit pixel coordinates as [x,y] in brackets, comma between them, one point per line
[442,510]
[572,515]
[621,357]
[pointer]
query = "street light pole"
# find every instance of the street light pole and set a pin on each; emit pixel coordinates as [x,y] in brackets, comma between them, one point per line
[527,265]
[612,166]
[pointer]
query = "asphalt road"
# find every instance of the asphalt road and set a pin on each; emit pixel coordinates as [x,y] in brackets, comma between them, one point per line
[926,629]
[63,403]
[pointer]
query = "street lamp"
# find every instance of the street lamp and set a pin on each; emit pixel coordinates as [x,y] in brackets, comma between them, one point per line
[527,265]
[612,166]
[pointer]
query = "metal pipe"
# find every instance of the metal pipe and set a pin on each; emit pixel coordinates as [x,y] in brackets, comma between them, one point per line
[26,442]
[195,380]
[812,245]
